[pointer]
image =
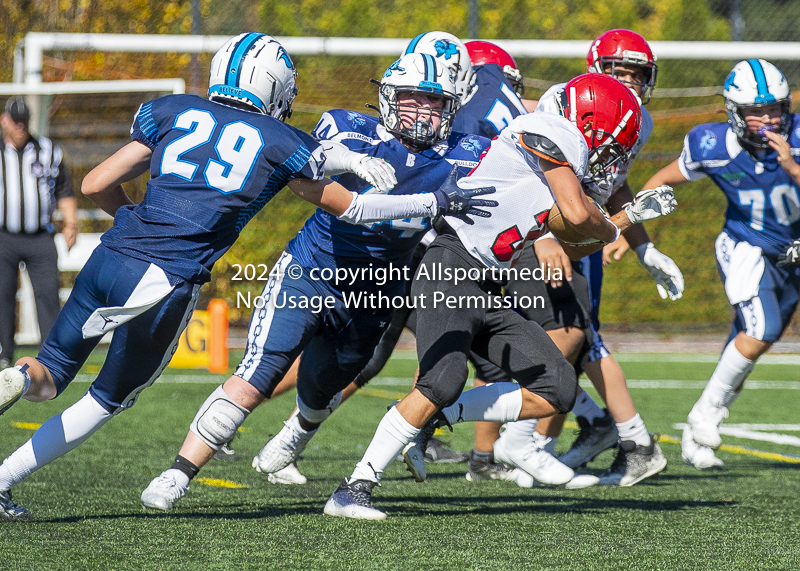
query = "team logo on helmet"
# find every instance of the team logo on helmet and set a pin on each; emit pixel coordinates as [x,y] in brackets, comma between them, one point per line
[445,48]
[392,68]
[285,57]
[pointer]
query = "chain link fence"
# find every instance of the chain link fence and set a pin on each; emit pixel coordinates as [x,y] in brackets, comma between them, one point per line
[91,127]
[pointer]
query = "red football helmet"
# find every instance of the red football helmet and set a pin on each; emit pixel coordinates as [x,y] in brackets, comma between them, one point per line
[624,47]
[481,53]
[608,115]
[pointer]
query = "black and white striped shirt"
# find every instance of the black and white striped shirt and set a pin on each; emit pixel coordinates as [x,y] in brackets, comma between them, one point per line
[33,180]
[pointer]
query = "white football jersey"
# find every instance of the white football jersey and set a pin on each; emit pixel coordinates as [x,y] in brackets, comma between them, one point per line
[548,104]
[522,191]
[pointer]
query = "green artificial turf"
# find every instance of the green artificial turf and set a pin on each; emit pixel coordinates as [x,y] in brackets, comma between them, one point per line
[87,513]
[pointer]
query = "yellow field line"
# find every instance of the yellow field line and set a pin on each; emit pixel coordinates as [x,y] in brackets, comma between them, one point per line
[741,450]
[381,393]
[26,425]
[219,483]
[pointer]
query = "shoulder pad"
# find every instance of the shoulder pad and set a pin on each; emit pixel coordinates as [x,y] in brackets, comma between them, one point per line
[543,147]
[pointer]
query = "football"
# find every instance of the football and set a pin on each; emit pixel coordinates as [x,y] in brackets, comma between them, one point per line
[565,233]
[575,244]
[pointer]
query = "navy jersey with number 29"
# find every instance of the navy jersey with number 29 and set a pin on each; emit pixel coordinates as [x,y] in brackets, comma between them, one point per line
[213,168]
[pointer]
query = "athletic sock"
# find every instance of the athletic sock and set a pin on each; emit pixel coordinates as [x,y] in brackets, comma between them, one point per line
[732,370]
[186,471]
[60,434]
[391,436]
[634,429]
[498,402]
[587,408]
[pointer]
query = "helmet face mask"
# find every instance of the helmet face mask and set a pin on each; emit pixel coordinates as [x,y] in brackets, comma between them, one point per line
[624,47]
[451,53]
[750,86]
[254,71]
[481,53]
[422,75]
[607,113]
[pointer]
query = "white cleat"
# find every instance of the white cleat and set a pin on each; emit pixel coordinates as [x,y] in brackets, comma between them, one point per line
[535,460]
[163,492]
[705,423]
[414,459]
[12,386]
[697,455]
[579,482]
[354,501]
[283,449]
[289,476]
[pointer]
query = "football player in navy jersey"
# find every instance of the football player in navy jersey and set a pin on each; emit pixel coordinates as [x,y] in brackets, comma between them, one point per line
[753,159]
[417,103]
[214,164]
[497,96]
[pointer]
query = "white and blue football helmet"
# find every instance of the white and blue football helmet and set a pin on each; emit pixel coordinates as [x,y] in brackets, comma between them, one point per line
[256,70]
[418,73]
[756,83]
[450,52]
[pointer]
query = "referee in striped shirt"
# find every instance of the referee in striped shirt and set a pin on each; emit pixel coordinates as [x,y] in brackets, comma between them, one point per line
[33,182]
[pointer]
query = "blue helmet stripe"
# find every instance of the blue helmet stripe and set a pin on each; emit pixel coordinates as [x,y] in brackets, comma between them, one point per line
[234,65]
[764,96]
[413,45]
[430,67]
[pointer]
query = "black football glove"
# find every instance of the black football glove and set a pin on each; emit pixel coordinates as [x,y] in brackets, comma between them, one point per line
[791,257]
[460,202]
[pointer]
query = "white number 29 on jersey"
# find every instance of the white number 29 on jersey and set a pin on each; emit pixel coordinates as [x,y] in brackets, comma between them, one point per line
[237,148]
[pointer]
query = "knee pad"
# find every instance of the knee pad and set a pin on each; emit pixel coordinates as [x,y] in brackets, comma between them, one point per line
[319,416]
[218,419]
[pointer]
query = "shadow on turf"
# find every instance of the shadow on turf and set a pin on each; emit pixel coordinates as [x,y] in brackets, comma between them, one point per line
[494,505]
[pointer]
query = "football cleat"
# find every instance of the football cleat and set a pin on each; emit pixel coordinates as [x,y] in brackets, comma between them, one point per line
[697,455]
[353,500]
[289,475]
[535,460]
[283,449]
[593,438]
[226,453]
[579,482]
[634,463]
[12,385]
[9,510]
[163,492]
[489,470]
[439,453]
[415,451]
[704,422]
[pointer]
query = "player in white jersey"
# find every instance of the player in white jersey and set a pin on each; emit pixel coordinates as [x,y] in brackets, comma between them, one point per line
[536,160]
[571,315]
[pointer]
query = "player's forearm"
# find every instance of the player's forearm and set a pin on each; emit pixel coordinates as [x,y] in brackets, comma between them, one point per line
[367,208]
[69,210]
[103,185]
[338,158]
[636,235]
[111,200]
[363,208]
[670,175]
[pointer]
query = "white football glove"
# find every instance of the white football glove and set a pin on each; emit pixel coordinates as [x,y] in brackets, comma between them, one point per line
[650,204]
[791,257]
[375,171]
[669,279]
